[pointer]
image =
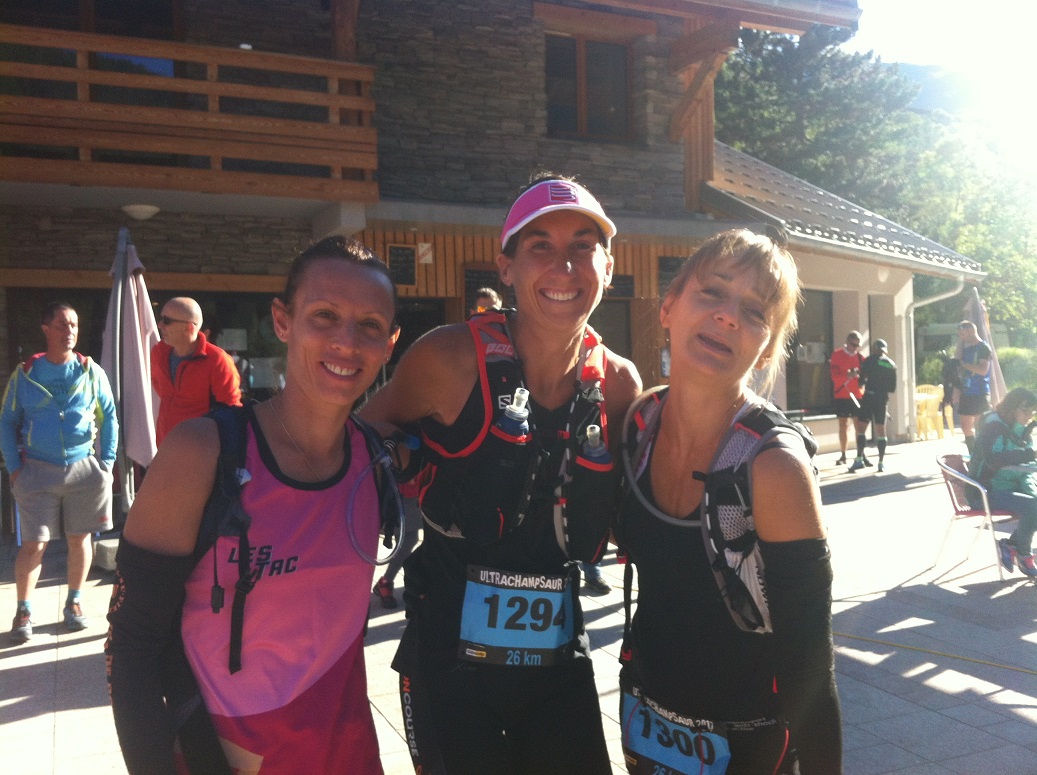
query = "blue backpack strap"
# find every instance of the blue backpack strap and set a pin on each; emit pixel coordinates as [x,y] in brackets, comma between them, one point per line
[224,515]
[389,504]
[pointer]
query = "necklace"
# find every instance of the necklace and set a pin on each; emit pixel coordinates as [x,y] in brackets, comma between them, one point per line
[291,438]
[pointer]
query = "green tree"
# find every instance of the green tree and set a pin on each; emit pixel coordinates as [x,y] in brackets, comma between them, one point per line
[841,121]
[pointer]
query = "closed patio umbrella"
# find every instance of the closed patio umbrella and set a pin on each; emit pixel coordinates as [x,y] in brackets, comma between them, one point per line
[130,331]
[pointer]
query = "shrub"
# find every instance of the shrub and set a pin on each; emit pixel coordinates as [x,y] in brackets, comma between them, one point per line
[1019,367]
[931,371]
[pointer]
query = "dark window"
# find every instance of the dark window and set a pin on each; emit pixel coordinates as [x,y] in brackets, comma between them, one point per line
[132,18]
[587,88]
[807,381]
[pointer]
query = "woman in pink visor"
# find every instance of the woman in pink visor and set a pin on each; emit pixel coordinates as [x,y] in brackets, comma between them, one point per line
[513,408]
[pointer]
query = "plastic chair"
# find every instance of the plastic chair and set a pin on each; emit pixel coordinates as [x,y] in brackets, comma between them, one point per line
[927,410]
[955,476]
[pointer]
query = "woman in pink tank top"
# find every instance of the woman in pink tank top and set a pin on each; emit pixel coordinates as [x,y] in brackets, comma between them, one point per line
[296,698]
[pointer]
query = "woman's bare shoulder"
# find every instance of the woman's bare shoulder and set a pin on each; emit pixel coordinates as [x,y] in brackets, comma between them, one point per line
[167,511]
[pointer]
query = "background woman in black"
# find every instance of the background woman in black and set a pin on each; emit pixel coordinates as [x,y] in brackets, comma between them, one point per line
[696,676]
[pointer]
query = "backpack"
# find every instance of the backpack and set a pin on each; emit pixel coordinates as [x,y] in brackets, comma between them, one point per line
[225,516]
[728,531]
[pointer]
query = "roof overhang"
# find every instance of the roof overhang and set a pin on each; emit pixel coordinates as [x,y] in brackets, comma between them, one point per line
[819,221]
[794,16]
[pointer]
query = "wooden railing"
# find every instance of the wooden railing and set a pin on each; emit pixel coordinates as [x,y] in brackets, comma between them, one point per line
[101,110]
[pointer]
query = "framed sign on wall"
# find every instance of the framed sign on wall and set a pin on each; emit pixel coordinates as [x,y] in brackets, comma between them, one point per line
[403,264]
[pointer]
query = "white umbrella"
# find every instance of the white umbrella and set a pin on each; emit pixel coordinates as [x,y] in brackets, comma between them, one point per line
[976,311]
[130,331]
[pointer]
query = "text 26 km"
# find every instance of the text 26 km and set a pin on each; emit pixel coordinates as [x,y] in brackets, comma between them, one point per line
[537,614]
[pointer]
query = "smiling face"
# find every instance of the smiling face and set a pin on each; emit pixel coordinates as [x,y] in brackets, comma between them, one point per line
[560,267]
[719,324]
[339,329]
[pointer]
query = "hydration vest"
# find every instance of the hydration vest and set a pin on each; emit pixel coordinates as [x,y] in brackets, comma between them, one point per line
[726,514]
[482,491]
[225,516]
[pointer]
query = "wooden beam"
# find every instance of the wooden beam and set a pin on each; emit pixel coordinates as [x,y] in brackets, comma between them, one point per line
[604,26]
[157,281]
[694,96]
[93,173]
[794,19]
[343,28]
[720,38]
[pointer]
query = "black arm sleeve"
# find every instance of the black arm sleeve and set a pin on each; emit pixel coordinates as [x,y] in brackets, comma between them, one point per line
[152,689]
[798,575]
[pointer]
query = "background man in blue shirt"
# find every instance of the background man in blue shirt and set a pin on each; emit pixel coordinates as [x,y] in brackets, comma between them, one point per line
[55,406]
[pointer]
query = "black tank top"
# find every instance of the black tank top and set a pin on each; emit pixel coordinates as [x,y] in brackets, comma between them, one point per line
[435,574]
[686,653]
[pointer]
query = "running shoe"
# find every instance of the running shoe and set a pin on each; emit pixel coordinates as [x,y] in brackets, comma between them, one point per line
[21,627]
[74,618]
[881,468]
[597,586]
[858,464]
[384,590]
[867,463]
[1026,565]
[1008,555]
[841,461]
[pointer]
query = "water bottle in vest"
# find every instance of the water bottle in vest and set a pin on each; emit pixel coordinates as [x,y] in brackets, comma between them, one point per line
[497,473]
[515,420]
[594,448]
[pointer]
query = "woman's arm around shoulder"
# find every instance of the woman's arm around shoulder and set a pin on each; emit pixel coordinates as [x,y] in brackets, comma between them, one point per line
[433,379]
[786,499]
[623,385]
[167,511]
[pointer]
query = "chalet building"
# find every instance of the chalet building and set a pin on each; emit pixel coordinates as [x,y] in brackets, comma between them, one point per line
[250,127]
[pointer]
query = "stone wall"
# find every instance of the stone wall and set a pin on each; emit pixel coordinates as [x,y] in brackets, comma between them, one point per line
[462,111]
[170,242]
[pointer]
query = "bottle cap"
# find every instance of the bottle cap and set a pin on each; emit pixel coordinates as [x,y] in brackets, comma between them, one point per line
[518,402]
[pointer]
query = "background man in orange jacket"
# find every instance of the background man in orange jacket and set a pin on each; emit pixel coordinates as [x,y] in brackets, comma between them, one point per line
[189,374]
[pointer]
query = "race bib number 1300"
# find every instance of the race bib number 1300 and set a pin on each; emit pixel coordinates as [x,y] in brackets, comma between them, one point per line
[516,619]
[659,742]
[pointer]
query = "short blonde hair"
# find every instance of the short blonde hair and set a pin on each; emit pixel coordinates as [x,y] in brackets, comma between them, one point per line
[777,283]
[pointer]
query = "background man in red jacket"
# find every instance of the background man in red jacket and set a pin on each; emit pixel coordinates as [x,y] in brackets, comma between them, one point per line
[845,366]
[189,374]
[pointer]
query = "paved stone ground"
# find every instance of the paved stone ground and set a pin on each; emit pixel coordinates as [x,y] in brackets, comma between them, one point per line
[937,668]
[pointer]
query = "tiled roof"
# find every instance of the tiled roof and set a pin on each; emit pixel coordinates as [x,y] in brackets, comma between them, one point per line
[745,186]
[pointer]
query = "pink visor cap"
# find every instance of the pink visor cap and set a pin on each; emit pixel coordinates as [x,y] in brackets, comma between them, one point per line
[551,195]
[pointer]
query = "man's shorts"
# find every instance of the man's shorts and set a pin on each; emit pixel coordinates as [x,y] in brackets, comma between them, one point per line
[845,407]
[58,500]
[873,409]
[973,405]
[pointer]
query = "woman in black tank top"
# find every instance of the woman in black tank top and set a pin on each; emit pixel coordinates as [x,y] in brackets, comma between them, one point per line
[494,668]
[702,691]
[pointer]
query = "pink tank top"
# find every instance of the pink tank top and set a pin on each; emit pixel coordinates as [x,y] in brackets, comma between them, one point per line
[299,703]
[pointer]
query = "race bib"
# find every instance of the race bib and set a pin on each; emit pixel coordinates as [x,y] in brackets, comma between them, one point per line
[657,741]
[516,619]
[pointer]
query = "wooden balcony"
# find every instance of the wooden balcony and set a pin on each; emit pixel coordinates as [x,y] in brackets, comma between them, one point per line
[99,110]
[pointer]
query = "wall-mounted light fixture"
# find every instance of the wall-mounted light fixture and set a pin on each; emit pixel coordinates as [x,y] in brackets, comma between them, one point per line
[140,212]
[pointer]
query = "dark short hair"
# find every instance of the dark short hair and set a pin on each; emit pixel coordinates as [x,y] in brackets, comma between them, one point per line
[343,249]
[52,309]
[489,293]
[1017,398]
